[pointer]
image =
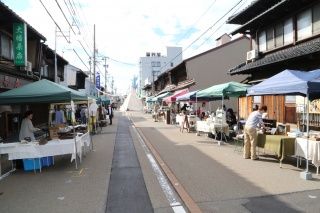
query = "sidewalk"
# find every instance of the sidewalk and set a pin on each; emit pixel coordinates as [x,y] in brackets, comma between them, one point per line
[61,188]
[217,176]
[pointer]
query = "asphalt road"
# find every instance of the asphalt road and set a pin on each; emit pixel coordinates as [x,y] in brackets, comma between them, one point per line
[219,180]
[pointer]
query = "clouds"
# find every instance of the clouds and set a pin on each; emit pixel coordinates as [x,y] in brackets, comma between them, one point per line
[126,29]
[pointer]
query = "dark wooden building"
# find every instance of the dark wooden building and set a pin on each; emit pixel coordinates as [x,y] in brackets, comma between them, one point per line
[285,34]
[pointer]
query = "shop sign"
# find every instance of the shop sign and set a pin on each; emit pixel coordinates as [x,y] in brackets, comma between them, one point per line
[9,82]
[20,44]
[98,81]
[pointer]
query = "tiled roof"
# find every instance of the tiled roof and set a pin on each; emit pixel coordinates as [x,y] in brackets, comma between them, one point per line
[179,86]
[296,51]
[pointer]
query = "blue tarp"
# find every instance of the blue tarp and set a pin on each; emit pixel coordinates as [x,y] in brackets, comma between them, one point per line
[290,82]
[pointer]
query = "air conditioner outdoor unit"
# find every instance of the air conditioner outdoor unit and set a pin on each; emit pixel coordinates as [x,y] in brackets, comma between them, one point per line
[29,66]
[252,54]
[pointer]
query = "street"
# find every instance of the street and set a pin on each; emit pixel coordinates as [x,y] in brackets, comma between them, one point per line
[118,176]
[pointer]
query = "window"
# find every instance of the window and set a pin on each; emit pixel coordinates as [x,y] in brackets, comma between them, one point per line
[279,35]
[6,47]
[316,19]
[171,64]
[262,41]
[158,64]
[290,99]
[304,25]
[270,41]
[256,100]
[288,32]
[153,64]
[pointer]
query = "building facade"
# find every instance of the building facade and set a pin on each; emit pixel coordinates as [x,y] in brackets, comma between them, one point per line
[284,35]
[153,64]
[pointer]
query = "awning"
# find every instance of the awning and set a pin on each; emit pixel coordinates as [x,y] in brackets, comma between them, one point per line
[187,96]
[290,82]
[42,91]
[173,97]
[161,96]
[230,89]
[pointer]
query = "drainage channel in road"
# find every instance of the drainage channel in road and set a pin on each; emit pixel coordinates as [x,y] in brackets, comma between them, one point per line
[127,190]
[165,184]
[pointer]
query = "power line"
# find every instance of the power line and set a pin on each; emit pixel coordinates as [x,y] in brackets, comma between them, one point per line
[220,26]
[121,62]
[64,16]
[194,23]
[80,59]
[202,34]
[54,21]
[71,26]
[62,31]
[77,23]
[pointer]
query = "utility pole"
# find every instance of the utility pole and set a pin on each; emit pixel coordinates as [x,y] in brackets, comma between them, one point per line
[105,74]
[55,55]
[90,70]
[112,85]
[94,55]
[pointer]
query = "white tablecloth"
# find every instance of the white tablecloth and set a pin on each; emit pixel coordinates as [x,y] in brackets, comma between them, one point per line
[313,151]
[179,119]
[52,148]
[203,126]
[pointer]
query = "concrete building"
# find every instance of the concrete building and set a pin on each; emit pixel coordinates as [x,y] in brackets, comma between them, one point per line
[153,64]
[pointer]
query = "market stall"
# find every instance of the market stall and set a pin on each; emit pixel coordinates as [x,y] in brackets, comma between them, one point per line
[221,92]
[45,91]
[301,83]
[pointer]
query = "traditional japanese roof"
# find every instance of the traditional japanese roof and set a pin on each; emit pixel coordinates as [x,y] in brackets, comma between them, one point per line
[9,16]
[300,50]
[271,13]
[248,13]
[181,85]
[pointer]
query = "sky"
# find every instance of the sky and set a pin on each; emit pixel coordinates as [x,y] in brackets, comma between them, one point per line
[127,29]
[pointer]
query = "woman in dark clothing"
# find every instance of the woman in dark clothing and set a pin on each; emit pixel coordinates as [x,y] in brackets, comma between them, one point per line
[231,118]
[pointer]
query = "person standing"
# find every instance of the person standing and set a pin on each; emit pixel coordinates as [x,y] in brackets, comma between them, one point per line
[27,129]
[110,113]
[250,132]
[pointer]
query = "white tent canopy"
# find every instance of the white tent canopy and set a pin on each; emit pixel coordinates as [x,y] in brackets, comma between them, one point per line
[132,102]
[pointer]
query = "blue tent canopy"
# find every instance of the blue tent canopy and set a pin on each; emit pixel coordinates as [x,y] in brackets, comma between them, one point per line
[290,82]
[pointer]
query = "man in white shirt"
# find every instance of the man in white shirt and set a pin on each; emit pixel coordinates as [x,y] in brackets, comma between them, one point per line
[250,132]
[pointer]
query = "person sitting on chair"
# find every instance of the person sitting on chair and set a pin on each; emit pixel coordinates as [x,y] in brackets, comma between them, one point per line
[231,118]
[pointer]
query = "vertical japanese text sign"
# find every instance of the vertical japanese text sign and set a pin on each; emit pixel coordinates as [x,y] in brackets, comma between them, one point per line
[20,44]
[98,81]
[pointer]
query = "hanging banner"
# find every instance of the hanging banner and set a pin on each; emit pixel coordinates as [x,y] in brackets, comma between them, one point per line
[20,44]
[98,80]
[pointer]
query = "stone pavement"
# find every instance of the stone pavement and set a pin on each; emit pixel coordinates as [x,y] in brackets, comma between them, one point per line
[61,188]
[220,180]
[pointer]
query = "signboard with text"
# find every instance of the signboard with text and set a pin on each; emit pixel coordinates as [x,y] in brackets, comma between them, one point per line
[98,80]
[20,44]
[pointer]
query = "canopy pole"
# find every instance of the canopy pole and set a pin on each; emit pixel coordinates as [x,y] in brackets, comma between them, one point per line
[88,127]
[197,105]
[75,137]
[306,175]
[221,129]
